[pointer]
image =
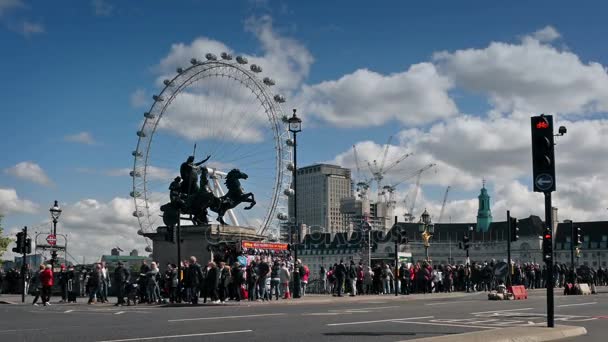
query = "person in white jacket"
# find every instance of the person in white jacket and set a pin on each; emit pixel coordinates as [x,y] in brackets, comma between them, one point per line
[285,277]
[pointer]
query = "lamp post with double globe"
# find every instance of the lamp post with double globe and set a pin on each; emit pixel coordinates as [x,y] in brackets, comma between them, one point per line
[55,213]
[427,229]
[295,126]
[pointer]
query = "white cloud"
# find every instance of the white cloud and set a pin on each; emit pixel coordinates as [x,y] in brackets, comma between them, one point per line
[82,138]
[11,203]
[100,226]
[102,8]
[8,5]
[546,34]
[153,173]
[529,77]
[221,98]
[138,99]
[29,171]
[366,98]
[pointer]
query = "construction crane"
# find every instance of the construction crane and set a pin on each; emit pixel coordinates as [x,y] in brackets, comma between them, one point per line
[409,216]
[389,190]
[362,184]
[378,172]
[445,198]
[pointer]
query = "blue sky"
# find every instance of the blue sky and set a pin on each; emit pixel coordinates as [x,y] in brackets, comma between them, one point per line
[72,67]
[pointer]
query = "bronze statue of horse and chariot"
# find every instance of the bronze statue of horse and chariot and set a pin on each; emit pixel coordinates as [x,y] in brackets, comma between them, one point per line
[192,199]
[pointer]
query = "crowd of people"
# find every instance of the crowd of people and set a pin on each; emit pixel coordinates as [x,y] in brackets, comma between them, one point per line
[269,276]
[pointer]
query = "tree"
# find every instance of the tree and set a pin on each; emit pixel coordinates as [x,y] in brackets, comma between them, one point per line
[4,241]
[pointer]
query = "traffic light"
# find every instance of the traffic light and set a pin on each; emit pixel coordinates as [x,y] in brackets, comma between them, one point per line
[577,252]
[28,246]
[548,246]
[465,242]
[543,157]
[514,229]
[402,237]
[170,234]
[576,236]
[20,243]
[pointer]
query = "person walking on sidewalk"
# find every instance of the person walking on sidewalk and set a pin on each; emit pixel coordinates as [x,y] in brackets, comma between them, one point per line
[46,278]
[351,275]
[105,283]
[121,278]
[305,276]
[62,277]
[36,285]
[93,283]
[285,277]
[340,272]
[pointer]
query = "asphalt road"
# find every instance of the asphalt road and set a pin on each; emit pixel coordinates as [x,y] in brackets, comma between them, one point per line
[381,318]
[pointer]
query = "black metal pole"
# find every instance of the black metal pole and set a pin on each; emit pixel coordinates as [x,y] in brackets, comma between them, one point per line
[23,267]
[53,261]
[550,281]
[295,197]
[509,268]
[396,267]
[572,246]
[178,237]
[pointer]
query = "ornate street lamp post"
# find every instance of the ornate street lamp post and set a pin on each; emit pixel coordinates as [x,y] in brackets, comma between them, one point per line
[295,126]
[55,213]
[427,229]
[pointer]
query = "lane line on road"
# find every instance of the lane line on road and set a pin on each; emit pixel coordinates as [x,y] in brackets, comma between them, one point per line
[119,313]
[178,336]
[371,308]
[379,321]
[565,305]
[493,311]
[448,325]
[68,311]
[444,303]
[224,317]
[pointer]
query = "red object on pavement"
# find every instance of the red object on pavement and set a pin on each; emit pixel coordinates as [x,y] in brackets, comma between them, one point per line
[519,292]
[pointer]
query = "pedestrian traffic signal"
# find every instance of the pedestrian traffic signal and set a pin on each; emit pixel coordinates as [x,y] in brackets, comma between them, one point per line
[402,237]
[548,246]
[543,156]
[577,252]
[20,243]
[514,229]
[28,246]
[170,234]
[465,242]
[576,236]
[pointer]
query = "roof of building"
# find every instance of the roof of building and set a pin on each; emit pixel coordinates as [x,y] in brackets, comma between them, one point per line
[110,258]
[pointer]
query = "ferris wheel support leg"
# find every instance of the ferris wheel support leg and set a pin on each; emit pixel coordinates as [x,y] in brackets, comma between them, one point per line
[219,192]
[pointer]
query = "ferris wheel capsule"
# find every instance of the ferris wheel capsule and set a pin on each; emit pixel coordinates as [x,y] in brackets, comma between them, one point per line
[137,154]
[226,56]
[135,174]
[149,115]
[138,213]
[194,61]
[290,166]
[279,98]
[166,82]
[256,68]
[289,192]
[241,60]
[140,232]
[148,249]
[268,81]
[289,142]
[179,70]
[158,98]
[141,134]
[282,216]
[211,57]
[135,194]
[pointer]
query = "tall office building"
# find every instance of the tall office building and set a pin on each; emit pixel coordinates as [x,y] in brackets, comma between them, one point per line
[320,188]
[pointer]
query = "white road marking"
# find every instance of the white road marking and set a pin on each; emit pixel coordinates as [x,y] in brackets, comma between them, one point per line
[178,336]
[444,303]
[322,314]
[446,324]
[565,305]
[119,312]
[380,321]
[68,311]
[374,302]
[223,317]
[18,330]
[498,311]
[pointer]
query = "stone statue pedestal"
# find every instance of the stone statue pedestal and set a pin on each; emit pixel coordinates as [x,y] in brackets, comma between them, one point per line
[198,241]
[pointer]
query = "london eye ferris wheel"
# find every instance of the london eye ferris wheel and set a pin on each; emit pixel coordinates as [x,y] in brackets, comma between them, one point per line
[224,108]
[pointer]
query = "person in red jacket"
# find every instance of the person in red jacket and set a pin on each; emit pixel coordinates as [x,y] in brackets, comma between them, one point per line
[46,279]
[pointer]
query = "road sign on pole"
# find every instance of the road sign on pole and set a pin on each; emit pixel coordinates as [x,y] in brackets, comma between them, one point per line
[51,239]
